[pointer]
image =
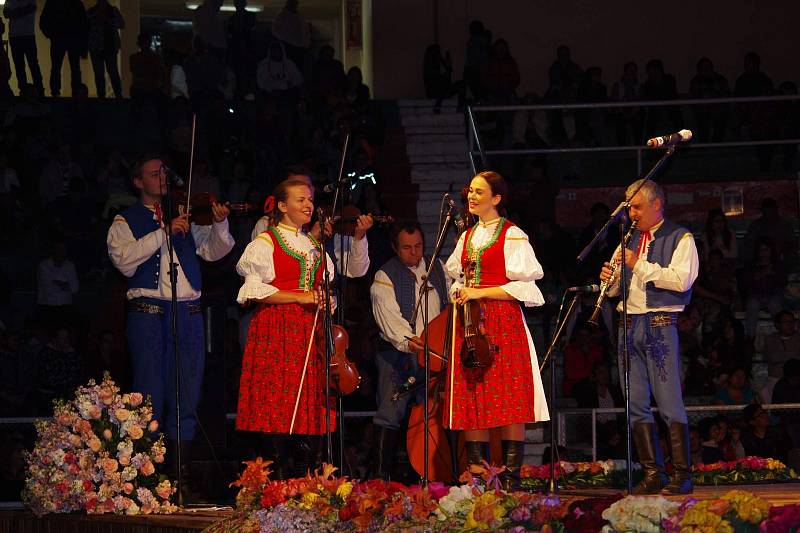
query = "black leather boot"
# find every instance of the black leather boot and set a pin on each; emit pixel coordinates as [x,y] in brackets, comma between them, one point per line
[186,486]
[647,446]
[275,448]
[513,454]
[384,453]
[680,481]
[307,454]
[477,452]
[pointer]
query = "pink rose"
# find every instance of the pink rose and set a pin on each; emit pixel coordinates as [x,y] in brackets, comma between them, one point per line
[107,434]
[136,398]
[94,444]
[110,466]
[148,468]
[152,426]
[125,459]
[128,488]
[135,432]
[107,396]
[164,490]
[75,440]
[94,412]
[158,459]
[122,414]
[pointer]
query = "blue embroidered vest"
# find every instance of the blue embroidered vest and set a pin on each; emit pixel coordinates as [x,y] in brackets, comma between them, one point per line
[142,221]
[663,245]
[405,282]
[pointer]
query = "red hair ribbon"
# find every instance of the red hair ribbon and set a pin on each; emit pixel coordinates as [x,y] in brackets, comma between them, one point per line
[269,204]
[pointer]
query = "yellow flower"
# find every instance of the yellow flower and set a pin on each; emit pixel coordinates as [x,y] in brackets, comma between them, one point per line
[344,490]
[307,502]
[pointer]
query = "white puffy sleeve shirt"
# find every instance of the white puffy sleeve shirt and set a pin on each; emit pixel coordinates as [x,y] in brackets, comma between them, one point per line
[522,267]
[257,266]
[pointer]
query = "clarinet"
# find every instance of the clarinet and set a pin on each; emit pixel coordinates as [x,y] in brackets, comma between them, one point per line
[605,285]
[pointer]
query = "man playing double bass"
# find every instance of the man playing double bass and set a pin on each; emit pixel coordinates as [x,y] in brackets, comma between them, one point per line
[394,296]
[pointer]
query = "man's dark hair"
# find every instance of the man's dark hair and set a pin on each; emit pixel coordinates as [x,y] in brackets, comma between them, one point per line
[780,314]
[408,226]
[136,167]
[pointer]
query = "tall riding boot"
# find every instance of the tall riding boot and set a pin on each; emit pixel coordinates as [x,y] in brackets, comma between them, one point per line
[680,481]
[513,454]
[274,447]
[385,453]
[647,446]
[477,452]
[307,455]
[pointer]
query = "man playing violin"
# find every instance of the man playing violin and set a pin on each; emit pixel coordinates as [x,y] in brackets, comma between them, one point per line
[138,247]
[394,295]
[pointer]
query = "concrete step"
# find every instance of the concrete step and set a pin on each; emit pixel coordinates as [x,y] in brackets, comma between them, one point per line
[425,103]
[437,129]
[439,159]
[458,148]
[444,136]
[432,120]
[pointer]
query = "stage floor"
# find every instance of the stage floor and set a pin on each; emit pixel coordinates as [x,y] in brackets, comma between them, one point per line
[195,521]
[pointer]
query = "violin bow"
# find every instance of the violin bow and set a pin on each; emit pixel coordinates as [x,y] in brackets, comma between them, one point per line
[452,364]
[191,163]
[305,369]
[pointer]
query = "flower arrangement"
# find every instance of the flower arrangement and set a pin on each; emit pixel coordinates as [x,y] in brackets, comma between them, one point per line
[612,473]
[642,514]
[736,510]
[326,503]
[94,456]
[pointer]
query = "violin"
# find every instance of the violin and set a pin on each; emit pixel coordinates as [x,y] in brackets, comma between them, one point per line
[345,222]
[477,350]
[199,206]
[345,378]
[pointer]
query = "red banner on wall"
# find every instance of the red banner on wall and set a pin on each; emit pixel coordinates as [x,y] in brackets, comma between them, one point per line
[354,25]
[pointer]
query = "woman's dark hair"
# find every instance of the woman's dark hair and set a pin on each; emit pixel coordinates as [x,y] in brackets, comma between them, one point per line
[498,186]
[726,233]
[281,194]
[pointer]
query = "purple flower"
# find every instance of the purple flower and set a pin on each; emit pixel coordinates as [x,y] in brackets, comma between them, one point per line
[521,514]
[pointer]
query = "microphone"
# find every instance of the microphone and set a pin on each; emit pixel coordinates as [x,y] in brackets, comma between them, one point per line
[173,176]
[670,140]
[331,187]
[584,288]
[457,218]
[404,388]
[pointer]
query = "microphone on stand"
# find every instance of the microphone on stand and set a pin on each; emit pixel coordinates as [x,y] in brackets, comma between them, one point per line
[670,140]
[457,218]
[584,288]
[331,187]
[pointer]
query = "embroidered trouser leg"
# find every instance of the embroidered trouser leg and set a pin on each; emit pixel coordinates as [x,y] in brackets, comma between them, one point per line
[150,341]
[655,369]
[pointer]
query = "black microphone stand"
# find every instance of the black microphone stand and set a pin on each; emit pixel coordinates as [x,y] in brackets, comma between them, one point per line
[561,323]
[173,280]
[616,215]
[423,298]
[328,319]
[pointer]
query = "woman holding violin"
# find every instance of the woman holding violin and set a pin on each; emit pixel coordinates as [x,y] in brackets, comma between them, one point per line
[355,261]
[494,380]
[282,387]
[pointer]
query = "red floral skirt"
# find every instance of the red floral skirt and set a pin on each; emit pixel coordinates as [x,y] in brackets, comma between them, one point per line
[271,370]
[503,393]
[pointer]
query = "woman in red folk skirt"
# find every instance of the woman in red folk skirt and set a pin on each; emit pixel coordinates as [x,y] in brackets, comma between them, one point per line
[282,270]
[493,262]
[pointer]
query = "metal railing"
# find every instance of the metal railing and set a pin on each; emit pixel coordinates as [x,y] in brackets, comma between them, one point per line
[562,414]
[476,148]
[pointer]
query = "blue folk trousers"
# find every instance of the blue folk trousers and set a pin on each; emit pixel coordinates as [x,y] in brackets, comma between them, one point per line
[394,369]
[151,346]
[655,369]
